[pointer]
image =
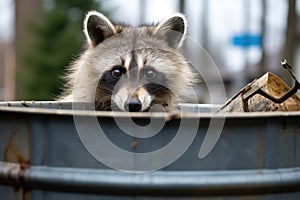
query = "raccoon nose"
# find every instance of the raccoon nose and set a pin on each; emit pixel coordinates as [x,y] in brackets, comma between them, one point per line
[133,105]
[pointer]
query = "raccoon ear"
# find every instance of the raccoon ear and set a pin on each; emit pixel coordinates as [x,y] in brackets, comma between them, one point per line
[172,29]
[97,28]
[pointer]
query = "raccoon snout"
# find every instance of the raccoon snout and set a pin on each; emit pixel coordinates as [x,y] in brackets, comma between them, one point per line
[133,105]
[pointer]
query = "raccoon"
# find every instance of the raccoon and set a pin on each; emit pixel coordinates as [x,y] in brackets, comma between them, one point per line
[130,68]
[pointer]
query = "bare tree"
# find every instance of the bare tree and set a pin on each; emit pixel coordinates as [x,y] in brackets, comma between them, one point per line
[291,33]
[263,62]
[181,6]
[26,13]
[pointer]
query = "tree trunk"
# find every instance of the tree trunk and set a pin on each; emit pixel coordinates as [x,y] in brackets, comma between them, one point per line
[263,62]
[26,12]
[290,36]
[181,6]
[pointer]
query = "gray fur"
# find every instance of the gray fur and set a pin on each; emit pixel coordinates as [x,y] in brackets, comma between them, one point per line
[157,46]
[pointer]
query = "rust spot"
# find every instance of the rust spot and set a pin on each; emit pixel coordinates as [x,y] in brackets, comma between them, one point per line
[25,194]
[24,104]
[260,150]
[17,150]
[10,172]
[18,172]
[13,153]
[24,191]
[23,167]
[135,144]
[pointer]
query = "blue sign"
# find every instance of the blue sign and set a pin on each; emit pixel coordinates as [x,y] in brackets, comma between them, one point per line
[246,40]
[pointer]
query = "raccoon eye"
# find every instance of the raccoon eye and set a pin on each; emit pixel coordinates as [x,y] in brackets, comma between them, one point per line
[150,74]
[117,72]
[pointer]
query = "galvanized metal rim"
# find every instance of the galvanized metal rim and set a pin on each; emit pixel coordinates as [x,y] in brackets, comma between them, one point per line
[167,116]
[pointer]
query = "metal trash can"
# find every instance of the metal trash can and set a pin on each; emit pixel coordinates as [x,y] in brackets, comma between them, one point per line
[42,157]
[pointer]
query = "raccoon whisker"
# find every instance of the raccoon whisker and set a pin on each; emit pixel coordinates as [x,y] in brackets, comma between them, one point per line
[159,89]
[107,90]
[107,108]
[114,106]
[98,105]
[110,106]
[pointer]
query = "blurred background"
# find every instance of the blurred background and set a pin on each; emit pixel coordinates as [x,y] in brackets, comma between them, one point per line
[245,38]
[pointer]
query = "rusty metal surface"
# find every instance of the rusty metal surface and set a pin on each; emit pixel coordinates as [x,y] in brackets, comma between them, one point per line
[16,148]
[33,137]
[268,93]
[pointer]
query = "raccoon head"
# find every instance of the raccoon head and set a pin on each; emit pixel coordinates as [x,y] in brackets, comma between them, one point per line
[98,28]
[134,68]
